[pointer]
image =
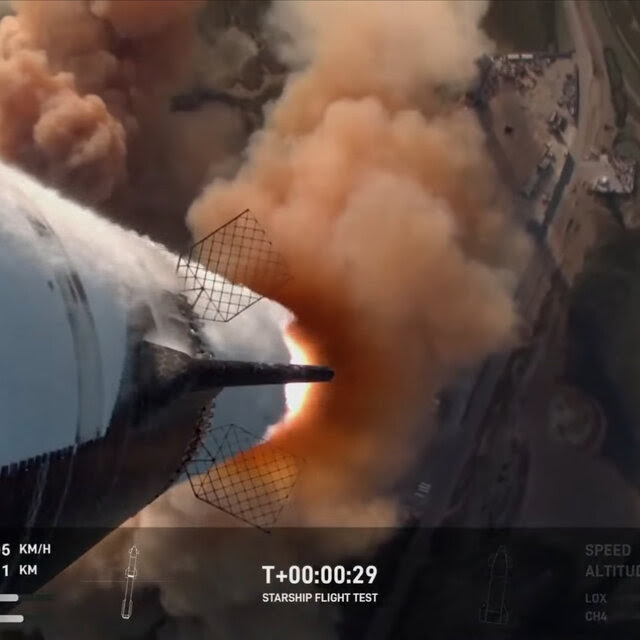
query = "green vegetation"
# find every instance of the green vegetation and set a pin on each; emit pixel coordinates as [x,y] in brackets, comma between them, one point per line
[625,17]
[522,25]
[619,97]
[604,321]
[617,24]
[627,146]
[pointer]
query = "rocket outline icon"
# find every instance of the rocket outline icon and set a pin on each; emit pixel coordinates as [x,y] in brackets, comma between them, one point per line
[493,610]
[130,574]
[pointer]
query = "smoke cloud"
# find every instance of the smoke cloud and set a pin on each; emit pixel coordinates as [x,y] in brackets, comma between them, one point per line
[70,92]
[374,184]
[381,197]
[85,92]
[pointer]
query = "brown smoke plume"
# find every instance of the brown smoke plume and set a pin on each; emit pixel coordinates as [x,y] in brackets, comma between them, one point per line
[76,80]
[378,191]
[383,202]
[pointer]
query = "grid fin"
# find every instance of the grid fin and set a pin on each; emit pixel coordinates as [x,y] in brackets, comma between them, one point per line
[217,269]
[247,477]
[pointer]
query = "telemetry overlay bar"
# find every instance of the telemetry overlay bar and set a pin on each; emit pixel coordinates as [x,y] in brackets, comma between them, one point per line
[11,618]
[9,597]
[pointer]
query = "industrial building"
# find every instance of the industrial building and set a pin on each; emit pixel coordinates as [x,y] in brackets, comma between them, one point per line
[611,175]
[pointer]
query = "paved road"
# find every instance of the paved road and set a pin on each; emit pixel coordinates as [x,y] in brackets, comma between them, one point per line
[585,67]
[591,480]
[595,111]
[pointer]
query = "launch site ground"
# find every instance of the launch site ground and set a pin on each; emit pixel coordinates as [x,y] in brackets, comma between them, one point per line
[552,176]
[542,444]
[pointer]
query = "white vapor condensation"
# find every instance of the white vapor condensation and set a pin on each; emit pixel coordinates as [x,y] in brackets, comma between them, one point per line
[46,240]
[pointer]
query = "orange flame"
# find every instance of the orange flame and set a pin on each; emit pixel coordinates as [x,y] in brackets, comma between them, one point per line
[296,393]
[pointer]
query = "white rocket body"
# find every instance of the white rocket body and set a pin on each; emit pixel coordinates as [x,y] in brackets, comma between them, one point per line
[69,283]
[96,420]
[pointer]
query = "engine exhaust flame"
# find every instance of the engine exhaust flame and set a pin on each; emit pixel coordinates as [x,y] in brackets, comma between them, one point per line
[295,394]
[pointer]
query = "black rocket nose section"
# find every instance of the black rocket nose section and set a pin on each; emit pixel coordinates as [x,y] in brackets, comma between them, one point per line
[228,373]
[161,373]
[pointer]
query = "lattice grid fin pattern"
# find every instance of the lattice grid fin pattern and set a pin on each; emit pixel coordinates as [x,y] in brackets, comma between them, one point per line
[216,267]
[250,480]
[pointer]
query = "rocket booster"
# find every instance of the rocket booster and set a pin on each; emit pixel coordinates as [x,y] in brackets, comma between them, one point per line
[79,294]
[103,364]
